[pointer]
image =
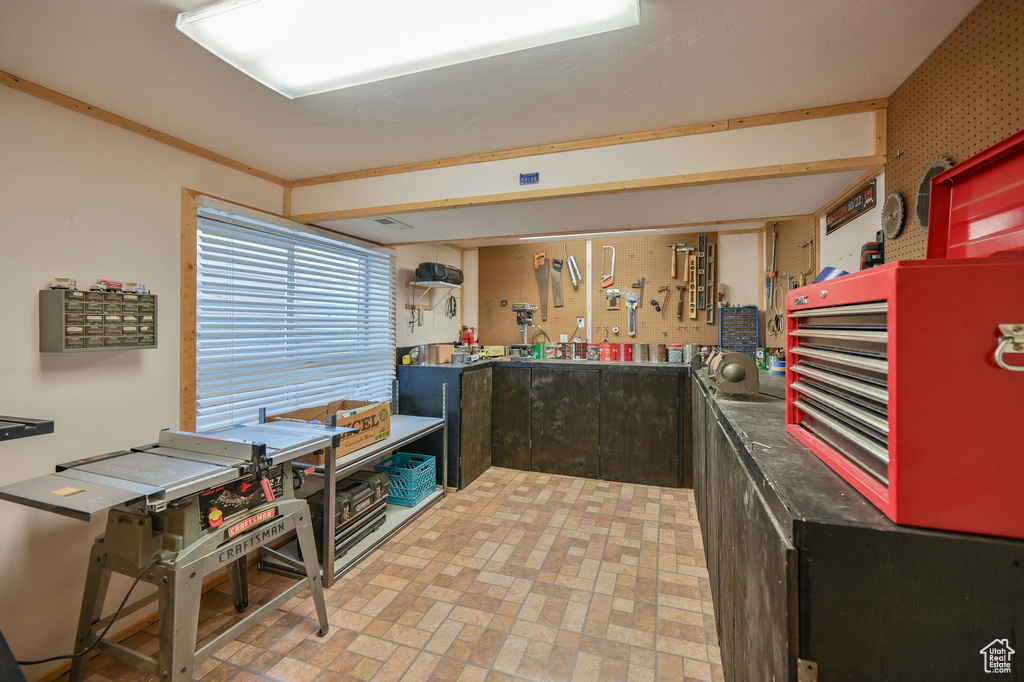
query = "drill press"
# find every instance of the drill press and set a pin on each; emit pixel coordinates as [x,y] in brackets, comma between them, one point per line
[524,318]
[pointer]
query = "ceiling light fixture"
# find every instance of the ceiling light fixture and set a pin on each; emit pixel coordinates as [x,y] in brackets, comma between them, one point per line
[305,47]
[586,234]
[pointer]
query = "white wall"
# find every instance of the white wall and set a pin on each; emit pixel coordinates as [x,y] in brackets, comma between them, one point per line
[739,268]
[437,327]
[841,249]
[88,200]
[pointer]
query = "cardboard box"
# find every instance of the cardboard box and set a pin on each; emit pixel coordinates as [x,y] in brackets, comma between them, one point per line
[372,421]
[443,353]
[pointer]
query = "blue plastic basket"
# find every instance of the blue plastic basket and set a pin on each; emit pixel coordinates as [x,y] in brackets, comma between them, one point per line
[413,477]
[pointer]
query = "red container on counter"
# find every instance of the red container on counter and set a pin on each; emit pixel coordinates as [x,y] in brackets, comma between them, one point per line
[607,354]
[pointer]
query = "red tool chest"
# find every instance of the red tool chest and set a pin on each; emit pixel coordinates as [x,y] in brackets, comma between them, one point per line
[905,379]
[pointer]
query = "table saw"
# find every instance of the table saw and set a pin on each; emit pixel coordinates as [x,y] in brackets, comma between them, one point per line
[179,510]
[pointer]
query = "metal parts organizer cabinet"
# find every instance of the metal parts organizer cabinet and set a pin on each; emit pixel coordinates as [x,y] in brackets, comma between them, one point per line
[405,429]
[896,377]
[739,330]
[72,321]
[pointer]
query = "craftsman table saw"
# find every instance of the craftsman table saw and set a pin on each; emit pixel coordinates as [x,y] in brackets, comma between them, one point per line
[179,510]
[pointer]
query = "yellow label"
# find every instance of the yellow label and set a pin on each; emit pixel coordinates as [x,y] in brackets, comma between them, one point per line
[67,492]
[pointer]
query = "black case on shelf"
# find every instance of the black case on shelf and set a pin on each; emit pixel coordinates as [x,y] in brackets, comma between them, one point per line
[359,511]
[438,272]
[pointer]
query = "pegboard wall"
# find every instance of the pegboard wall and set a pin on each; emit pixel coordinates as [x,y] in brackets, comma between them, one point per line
[791,259]
[507,273]
[965,97]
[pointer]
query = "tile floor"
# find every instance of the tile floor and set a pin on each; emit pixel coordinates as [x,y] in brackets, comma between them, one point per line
[520,576]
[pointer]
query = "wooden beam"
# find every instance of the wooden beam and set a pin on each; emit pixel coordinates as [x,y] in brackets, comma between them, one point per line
[54,97]
[606,141]
[537,150]
[189,285]
[881,118]
[287,201]
[808,114]
[670,182]
[704,223]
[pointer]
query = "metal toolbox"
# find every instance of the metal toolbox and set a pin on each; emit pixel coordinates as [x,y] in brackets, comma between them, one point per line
[359,510]
[908,379]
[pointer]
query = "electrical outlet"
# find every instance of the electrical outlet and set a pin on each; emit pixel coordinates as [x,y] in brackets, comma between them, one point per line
[580,323]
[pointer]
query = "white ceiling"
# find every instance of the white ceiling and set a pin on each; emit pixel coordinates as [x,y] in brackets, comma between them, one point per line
[690,61]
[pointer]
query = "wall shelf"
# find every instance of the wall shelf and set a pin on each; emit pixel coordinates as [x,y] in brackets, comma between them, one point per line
[427,290]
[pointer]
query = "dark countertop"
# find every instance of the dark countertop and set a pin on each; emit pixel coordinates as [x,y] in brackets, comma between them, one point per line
[796,485]
[562,364]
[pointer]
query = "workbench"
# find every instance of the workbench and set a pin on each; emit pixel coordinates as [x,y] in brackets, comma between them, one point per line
[810,581]
[617,421]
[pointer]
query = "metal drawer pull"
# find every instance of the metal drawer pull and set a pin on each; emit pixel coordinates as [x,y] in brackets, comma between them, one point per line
[853,386]
[862,415]
[854,437]
[1011,341]
[871,364]
[844,334]
[862,308]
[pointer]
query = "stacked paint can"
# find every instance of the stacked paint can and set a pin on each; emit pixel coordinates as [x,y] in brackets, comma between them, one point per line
[641,352]
[675,352]
[779,365]
[659,352]
[607,354]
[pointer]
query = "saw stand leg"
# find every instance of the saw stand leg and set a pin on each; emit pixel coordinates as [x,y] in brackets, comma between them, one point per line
[179,584]
[238,578]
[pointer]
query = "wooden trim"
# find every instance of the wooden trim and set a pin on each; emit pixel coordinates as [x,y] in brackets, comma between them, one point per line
[670,182]
[637,228]
[187,347]
[842,196]
[881,118]
[54,97]
[594,142]
[286,203]
[808,114]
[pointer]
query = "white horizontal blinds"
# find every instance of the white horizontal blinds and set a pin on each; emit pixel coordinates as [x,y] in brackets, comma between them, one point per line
[287,318]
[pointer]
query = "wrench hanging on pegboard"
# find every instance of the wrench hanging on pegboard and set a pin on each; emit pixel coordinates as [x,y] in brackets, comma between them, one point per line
[693,286]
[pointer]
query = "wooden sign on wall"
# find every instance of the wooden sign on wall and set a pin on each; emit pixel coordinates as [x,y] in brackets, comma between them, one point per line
[860,203]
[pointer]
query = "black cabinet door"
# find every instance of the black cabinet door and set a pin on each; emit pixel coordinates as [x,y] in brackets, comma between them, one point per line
[565,421]
[510,418]
[475,451]
[640,428]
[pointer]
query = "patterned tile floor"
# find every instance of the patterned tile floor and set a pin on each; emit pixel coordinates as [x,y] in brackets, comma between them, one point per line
[520,576]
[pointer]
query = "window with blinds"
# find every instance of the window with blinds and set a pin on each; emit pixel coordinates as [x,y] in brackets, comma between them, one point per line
[287,318]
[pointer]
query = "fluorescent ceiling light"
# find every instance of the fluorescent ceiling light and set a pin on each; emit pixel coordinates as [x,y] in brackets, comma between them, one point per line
[304,47]
[587,234]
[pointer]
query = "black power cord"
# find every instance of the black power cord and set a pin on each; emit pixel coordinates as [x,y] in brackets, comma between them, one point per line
[106,629]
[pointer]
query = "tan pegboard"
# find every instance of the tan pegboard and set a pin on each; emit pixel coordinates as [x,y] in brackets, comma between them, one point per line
[506,273]
[963,98]
[791,260]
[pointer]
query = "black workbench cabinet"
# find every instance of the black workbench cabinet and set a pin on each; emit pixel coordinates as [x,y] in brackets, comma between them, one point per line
[613,421]
[808,577]
[469,415]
